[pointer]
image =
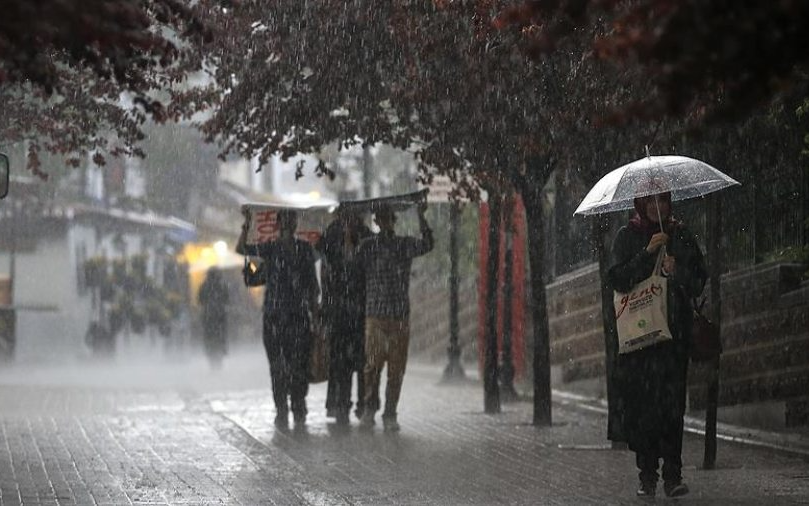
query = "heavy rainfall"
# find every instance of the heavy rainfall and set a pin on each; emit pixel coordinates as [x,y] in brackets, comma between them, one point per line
[403,252]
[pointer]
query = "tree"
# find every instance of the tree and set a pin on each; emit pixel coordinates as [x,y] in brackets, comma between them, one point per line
[434,76]
[79,77]
[714,59]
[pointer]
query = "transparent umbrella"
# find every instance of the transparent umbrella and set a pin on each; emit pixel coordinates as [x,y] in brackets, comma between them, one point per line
[684,177]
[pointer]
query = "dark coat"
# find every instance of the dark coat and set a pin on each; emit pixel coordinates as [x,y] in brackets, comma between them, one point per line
[343,275]
[289,275]
[213,298]
[652,381]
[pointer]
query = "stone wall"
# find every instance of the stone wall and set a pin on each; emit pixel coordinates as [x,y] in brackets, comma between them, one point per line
[574,317]
[765,333]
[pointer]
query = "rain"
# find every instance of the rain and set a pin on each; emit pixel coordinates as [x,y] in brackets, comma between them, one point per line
[405,252]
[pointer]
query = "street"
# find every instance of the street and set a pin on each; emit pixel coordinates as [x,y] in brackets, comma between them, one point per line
[159,432]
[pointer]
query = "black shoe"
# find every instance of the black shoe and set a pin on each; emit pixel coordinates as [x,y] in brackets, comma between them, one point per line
[390,424]
[342,418]
[675,489]
[367,422]
[647,489]
[300,418]
[282,421]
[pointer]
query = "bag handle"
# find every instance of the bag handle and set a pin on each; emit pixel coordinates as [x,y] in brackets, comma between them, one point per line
[659,262]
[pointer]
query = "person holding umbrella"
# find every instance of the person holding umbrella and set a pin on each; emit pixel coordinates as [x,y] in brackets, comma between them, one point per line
[659,253]
[652,380]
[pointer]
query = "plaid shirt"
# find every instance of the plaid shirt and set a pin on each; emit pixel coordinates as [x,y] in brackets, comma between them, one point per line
[387,259]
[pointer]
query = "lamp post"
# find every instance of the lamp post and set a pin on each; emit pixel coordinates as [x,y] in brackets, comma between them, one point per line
[8,316]
[715,270]
[454,370]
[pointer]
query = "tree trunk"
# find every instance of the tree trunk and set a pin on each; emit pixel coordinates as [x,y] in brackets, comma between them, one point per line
[615,432]
[507,391]
[491,389]
[532,197]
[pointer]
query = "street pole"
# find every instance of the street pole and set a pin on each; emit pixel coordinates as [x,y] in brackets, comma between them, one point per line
[491,391]
[454,370]
[367,168]
[507,391]
[8,342]
[714,226]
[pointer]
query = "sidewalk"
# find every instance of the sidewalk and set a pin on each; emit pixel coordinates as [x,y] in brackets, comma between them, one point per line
[451,453]
[795,443]
[174,434]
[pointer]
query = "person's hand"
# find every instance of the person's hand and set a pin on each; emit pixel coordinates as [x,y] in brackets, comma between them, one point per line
[422,207]
[657,240]
[669,264]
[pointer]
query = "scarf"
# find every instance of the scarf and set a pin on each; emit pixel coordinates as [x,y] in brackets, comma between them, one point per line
[642,224]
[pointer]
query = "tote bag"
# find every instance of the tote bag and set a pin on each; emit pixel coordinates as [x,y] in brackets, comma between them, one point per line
[706,343]
[641,314]
[319,359]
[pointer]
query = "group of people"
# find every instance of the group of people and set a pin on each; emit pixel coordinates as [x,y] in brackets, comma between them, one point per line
[364,310]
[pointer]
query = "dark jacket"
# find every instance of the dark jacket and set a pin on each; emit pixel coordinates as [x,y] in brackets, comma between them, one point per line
[289,275]
[652,381]
[342,274]
[213,298]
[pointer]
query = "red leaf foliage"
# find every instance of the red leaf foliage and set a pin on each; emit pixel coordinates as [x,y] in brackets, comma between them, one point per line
[738,53]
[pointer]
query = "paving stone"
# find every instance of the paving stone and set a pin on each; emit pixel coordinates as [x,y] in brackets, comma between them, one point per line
[197,441]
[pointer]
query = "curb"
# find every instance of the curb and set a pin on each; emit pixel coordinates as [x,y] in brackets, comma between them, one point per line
[791,443]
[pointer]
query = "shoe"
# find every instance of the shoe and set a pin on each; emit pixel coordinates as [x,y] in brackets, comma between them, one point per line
[359,412]
[342,418]
[367,421]
[331,413]
[647,489]
[300,418]
[391,425]
[282,421]
[675,489]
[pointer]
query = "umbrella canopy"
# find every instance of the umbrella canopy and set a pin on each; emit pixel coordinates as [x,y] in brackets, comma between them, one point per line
[684,177]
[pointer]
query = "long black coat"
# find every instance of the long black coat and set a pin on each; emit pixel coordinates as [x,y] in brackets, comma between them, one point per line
[344,276]
[652,381]
[213,298]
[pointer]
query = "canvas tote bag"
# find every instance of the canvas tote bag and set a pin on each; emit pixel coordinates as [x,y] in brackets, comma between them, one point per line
[641,314]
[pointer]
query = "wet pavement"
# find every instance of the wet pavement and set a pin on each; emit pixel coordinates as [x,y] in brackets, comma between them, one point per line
[162,432]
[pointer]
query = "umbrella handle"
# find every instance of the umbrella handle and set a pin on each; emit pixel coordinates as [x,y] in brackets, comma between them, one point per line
[660,222]
[659,218]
